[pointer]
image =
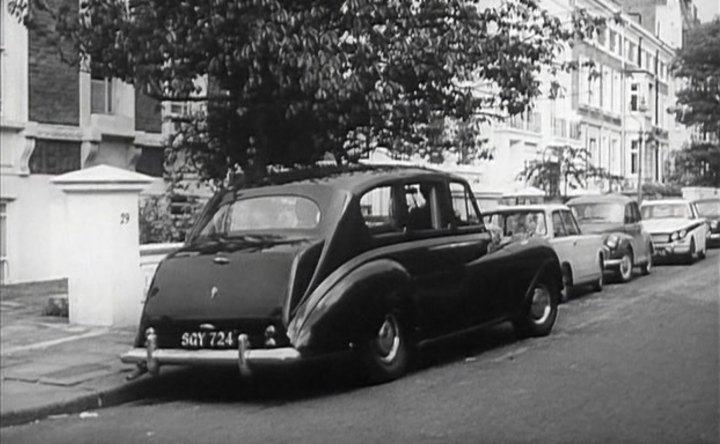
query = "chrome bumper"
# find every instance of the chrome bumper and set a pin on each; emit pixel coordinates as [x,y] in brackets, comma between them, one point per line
[611,264]
[151,357]
[670,249]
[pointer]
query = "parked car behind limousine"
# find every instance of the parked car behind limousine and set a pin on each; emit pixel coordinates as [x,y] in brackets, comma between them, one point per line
[618,219]
[676,228]
[371,261]
[581,255]
[710,210]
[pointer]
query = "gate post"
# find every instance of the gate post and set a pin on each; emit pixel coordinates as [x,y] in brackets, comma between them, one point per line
[102,246]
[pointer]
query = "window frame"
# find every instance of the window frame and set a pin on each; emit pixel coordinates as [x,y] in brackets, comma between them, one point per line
[561,224]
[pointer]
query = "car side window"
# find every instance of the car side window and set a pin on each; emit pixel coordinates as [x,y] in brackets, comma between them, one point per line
[637,217]
[558,228]
[464,211]
[421,201]
[377,211]
[629,217]
[571,225]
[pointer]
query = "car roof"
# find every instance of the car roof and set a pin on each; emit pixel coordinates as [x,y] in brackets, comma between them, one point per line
[533,207]
[348,178]
[605,198]
[665,201]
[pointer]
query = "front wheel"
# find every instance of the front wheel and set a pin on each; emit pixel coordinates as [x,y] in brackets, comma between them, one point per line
[539,315]
[386,355]
[690,258]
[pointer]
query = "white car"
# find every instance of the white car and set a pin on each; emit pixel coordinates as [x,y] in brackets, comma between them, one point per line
[676,228]
[581,255]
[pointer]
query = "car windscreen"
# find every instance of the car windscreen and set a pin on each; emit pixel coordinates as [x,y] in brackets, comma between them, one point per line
[599,212]
[263,214]
[521,223]
[709,208]
[659,211]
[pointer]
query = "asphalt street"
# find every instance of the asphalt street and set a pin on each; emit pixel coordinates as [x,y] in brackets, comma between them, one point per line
[636,363]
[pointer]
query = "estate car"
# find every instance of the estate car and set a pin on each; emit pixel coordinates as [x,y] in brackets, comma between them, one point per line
[618,219]
[367,260]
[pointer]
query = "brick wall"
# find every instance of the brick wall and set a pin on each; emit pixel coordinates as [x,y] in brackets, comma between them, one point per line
[54,86]
[148,117]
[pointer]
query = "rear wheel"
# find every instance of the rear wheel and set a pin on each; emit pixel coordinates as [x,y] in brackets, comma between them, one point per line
[539,315]
[626,267]
[647,266]
[386,355]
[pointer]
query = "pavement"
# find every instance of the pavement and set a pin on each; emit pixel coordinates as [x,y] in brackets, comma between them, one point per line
[49,367]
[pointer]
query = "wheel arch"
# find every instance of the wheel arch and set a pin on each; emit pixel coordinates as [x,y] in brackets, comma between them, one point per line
[353,305]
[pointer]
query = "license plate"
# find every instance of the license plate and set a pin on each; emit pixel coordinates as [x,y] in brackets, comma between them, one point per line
[208,339]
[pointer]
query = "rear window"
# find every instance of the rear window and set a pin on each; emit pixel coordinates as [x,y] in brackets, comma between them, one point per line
[522,223]
[263,214]
[659,211]
[599,212]
[708,208]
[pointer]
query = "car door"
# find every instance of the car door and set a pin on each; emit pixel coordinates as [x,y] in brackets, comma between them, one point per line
[563,244]
[585,247]
[702,229]
[640,239]
[433,255]
[484,275]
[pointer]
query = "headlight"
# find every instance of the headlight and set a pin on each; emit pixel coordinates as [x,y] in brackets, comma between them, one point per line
[714,224]
[682,234]
[612,241]
[674,236]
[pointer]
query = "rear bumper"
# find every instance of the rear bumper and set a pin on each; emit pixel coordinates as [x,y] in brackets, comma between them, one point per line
[151,358]
[670,249]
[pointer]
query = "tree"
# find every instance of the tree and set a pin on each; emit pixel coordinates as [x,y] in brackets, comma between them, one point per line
[564,165]
[292,81]
[697,165]
[698,65]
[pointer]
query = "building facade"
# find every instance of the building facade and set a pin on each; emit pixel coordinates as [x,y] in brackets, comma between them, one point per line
[615,105]
[55,118]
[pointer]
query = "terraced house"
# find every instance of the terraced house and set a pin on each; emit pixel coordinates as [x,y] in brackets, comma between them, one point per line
[54,119]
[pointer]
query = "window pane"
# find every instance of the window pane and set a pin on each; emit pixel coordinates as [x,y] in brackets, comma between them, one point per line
[558,229]
[376,208]
[570,224]
[55,157]
[418,198]
[463,208]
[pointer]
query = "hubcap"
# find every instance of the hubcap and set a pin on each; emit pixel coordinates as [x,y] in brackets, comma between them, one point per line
[540,306]
[388,339]
[626,266]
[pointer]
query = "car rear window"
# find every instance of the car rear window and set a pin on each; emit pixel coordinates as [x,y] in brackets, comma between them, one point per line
[599,212]
[658,211]
[522,223]
[708,208]
[265,213]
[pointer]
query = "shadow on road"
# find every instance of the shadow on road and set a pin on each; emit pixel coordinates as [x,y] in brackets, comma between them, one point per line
[274,386]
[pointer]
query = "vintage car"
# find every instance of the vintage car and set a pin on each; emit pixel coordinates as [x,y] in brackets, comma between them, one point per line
[581,255]
[676,228]
[367,260]
[710,209]
[617,218]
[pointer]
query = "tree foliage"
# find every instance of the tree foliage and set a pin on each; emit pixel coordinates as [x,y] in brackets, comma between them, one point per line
[697,165]
[563,167]
[292,81]
[698,64]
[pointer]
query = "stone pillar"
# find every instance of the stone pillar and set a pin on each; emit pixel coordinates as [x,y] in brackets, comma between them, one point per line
[102,247]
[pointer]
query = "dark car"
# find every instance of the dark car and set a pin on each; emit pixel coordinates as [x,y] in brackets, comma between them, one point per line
[710,209]
[368,260]
[617,218]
